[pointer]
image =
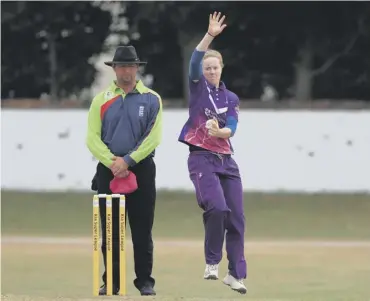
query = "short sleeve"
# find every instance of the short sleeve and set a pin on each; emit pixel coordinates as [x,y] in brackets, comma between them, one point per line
[196,90]
[234,104]
[197,85]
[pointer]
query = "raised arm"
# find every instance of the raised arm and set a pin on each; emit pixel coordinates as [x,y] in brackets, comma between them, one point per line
[215,27]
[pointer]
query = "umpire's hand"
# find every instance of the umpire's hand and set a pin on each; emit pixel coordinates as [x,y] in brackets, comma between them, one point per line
[119,167]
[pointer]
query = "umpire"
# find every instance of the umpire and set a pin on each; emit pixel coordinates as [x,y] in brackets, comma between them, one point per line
[124,128]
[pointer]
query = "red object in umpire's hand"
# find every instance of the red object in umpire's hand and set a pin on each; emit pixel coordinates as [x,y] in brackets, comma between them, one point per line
[124,185]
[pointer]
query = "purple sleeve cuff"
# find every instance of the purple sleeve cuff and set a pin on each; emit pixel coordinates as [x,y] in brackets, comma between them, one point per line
[129,160]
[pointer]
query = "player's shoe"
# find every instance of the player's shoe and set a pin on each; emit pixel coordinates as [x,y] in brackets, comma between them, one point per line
[235,284]
[211,272]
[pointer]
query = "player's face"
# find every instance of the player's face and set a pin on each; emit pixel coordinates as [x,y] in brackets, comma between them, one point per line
[212,70]
[126,73]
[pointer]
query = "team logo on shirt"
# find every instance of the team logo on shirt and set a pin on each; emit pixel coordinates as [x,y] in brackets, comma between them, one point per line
[141,111]
[211,115]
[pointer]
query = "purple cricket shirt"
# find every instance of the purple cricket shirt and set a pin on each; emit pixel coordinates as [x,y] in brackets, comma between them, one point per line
[208,102]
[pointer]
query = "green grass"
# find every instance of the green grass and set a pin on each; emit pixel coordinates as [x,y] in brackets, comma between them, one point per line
[269,216]
[285,272]
[289,273]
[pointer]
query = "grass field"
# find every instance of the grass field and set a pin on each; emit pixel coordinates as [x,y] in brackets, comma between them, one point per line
[299,247]
[269,216]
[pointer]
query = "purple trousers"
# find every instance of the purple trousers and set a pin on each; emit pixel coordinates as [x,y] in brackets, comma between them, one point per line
[219,193]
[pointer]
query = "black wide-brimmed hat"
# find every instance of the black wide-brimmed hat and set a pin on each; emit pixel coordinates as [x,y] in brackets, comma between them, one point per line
[125,55]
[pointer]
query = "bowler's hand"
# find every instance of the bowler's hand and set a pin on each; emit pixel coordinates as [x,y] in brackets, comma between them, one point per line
[215,26]
[119,166]
[213,128]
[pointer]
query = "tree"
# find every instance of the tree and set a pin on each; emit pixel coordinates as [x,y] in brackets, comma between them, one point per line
[46,47]
[155,43]
[326,33]
[169,32]
[300,40]
[349,76]
[296,42]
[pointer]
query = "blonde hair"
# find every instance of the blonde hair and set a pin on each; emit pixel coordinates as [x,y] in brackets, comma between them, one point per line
[214,53]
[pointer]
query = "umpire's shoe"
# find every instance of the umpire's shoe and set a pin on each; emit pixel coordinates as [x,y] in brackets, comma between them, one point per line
[147,290]
[103,290]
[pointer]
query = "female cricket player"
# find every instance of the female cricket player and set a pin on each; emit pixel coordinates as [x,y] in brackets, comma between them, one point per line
[213,119]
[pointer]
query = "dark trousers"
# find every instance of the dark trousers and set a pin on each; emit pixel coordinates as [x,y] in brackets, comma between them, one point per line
[140,206]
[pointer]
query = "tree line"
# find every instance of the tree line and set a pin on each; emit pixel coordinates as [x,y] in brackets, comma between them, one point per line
[305,50]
